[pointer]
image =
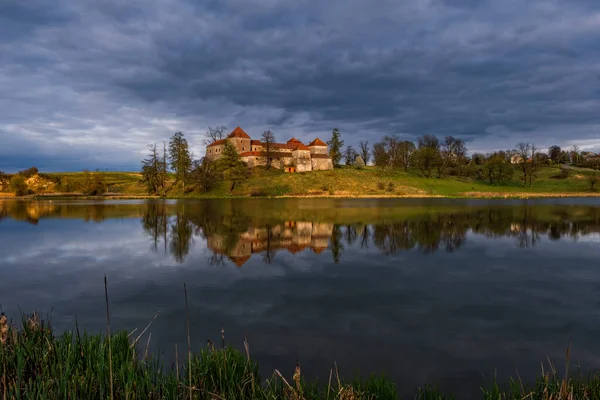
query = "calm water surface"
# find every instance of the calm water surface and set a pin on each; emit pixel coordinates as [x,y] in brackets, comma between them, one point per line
[444,291]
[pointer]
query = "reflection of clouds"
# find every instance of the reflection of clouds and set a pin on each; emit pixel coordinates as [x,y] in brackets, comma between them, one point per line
[591,238]
[487,305]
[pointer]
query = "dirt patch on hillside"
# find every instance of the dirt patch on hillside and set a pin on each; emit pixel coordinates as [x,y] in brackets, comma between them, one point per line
[39,184]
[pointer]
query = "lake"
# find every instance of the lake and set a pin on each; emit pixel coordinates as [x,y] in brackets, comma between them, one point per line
[443,291]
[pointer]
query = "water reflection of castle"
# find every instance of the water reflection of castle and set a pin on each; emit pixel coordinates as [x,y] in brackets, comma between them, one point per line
[293,236]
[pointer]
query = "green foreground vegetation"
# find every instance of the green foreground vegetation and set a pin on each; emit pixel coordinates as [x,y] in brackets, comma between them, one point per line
[36,363]
[345,181]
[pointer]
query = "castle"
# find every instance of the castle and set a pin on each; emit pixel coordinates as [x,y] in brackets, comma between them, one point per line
[293,156]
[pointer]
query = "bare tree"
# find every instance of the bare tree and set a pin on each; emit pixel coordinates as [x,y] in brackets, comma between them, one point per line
[268,139]
[350,155]
[164,170]
[405,151]
[454,151]
[214,134]
[575,153]
[364,151]
[392,145]
[429,141]
[594,177]
[523,153]
[529,161]
[380,155]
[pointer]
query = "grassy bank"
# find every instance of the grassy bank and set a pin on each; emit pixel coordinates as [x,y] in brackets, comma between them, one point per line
[341,182]
[38,364]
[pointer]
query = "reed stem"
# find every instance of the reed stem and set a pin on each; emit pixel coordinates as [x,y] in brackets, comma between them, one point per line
[112,391]
[187,317]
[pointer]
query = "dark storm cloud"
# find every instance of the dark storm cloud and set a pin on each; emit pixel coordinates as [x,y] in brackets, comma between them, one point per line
[90,84]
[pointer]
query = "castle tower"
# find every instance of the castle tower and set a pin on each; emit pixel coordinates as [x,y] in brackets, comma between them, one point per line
[317,146]
[240,140]
[302,158]
[319,152]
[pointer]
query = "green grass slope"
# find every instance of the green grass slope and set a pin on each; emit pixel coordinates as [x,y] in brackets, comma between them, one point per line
[372,182]
[341,182]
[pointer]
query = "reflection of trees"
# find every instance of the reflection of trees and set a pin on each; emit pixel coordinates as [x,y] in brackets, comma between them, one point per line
[181,236]
[269,251]
[155,222]
[448,231]
[350,234]
[176,232]
[336,243]
[393,236]
[238,229]
[364,236]
[236,233]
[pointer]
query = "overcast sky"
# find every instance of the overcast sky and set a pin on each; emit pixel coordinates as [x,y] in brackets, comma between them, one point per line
[88,84]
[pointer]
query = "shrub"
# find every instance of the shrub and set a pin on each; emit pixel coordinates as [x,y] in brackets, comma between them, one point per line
[593,179]
[29,172]
[94,184]
[258,193]
[565,172]
[391,187]
[3,178]
[331,192]
[359,163]
[18,185]
[325,188]
[380,185]
[65,185]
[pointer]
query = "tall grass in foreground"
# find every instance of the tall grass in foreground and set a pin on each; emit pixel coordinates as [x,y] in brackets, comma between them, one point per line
[35,363]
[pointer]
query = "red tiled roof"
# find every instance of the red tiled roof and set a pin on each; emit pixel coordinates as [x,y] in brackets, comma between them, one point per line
[221,141]
[318,250]
[238,133]
[295,248]
[252,153]
[317,142]
[301,146]
[320,156]
[255,142]
[239,261]
[294,140]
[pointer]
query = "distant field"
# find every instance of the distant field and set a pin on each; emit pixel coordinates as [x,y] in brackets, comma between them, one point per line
[341,182]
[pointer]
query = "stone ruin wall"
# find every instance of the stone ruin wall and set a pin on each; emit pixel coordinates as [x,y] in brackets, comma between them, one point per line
[321,164]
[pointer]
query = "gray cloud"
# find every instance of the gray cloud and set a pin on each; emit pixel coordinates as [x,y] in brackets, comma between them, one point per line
[88,85]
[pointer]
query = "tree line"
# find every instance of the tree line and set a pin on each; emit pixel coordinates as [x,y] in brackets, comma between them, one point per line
[434,157]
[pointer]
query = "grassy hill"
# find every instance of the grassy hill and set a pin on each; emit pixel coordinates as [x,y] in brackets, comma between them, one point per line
[342,182]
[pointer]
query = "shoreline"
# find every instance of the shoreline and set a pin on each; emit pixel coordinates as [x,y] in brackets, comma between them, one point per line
[466,195]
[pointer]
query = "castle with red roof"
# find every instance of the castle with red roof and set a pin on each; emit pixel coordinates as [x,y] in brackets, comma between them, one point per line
[292,156]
